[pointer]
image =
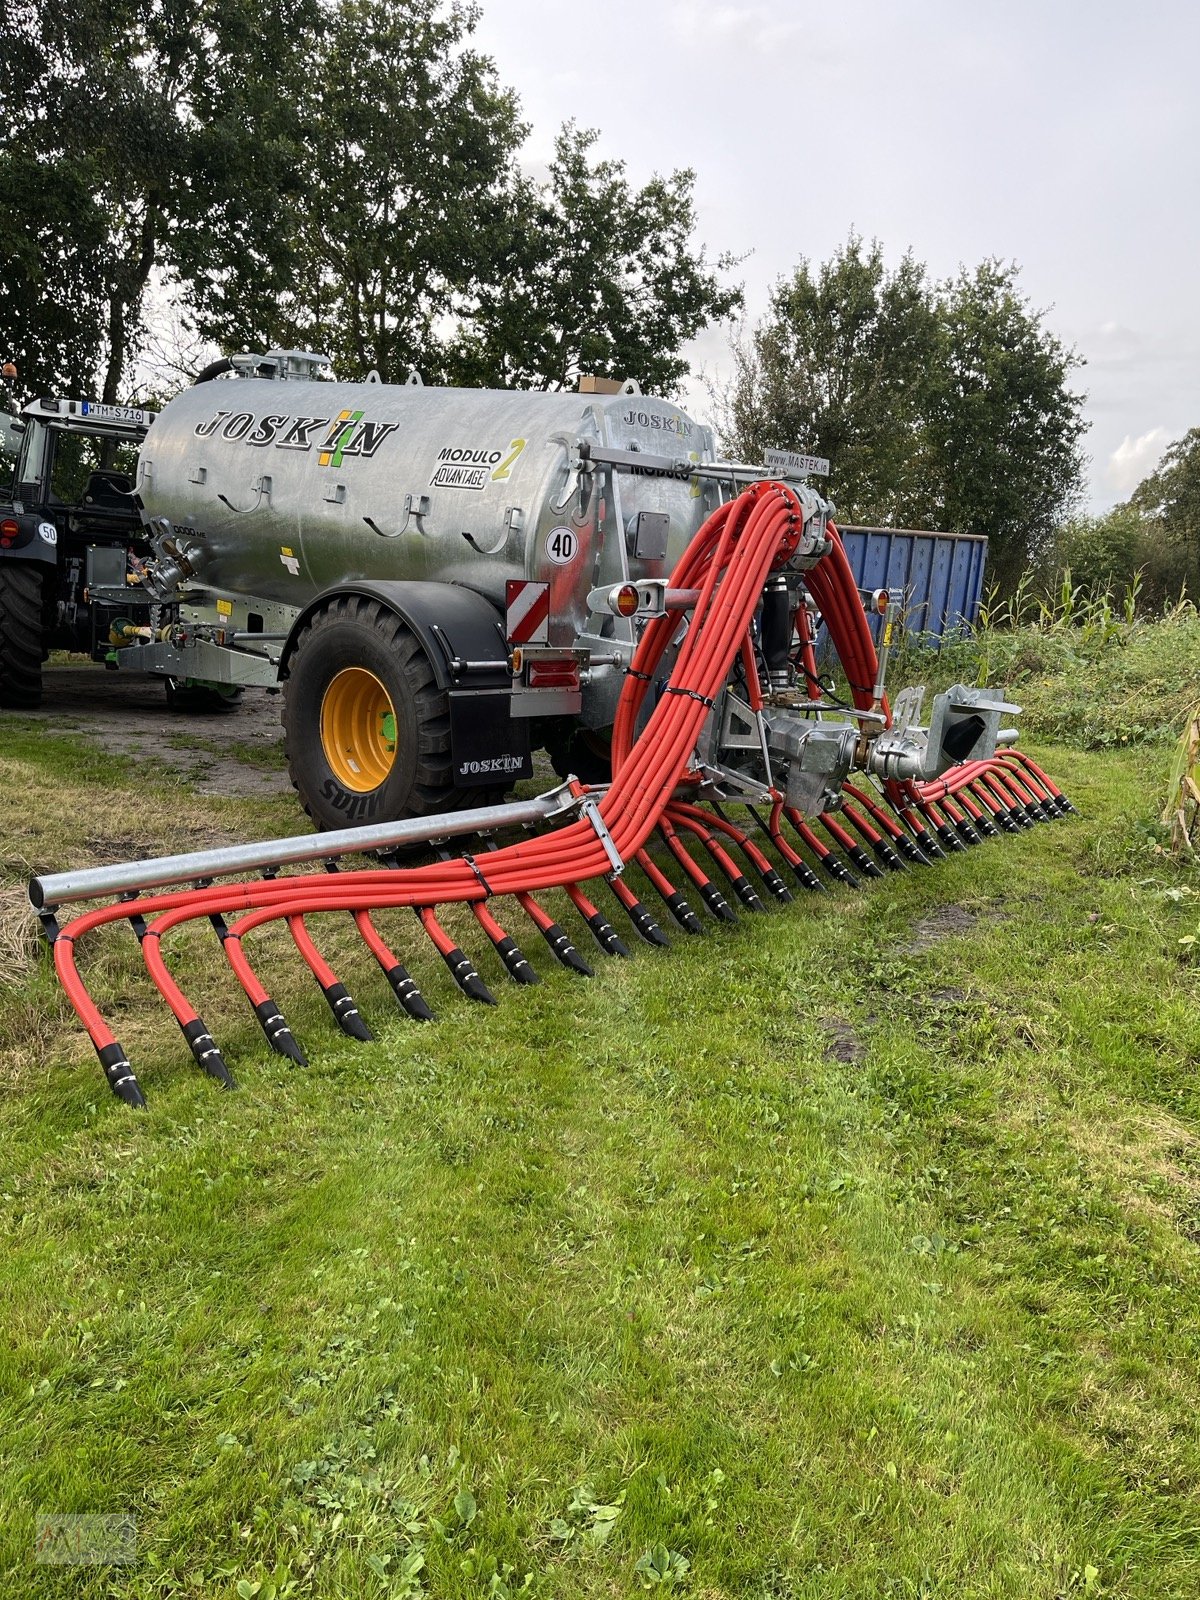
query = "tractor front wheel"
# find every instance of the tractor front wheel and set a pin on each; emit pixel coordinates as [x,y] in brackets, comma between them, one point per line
[20,634]
[366,727]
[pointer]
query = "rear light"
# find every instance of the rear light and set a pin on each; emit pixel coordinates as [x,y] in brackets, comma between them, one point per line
[626,600]
[10,532]
[881,600]
[554,673]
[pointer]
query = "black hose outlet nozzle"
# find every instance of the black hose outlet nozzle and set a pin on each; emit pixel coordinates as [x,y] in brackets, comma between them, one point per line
[345,1013]
[564,950]
[949,838]
[407,993]
[120,1075]
[885,853]
[279,1035]
[911,851]
[742,887]
[467,979]
[776,886]
[967,833]
[646,926]
[929,844]
[606,936]
[515,963]
[863,861]
[208,1057]
[683,913]
[806,877]
[717,903]
[840,871]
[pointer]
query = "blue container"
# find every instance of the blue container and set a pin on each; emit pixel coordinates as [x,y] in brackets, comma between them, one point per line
[935,579]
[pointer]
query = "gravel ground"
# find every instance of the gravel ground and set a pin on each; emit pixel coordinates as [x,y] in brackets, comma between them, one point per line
[237,752]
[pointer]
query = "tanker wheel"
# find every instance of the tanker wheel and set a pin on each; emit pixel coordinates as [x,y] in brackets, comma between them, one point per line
[366,728]
[20,634]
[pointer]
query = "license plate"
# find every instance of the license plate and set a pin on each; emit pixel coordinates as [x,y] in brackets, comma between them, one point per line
[107,413]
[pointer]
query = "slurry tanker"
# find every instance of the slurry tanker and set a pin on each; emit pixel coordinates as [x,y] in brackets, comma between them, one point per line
[441,581]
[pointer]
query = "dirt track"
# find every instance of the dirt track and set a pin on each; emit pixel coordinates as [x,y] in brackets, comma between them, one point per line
[235,752]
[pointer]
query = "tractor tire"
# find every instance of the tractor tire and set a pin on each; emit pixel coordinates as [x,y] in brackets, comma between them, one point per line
[366,730]
[20,634]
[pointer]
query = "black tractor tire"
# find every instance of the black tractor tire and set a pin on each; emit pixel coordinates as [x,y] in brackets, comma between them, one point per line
[352,631]
[21,634]
[583,753]
[197,698]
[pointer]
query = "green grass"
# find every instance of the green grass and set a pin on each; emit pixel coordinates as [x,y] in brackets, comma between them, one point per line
[821,1257]
[1084,675]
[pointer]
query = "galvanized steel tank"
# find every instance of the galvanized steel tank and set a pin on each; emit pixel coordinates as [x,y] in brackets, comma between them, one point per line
[295,486]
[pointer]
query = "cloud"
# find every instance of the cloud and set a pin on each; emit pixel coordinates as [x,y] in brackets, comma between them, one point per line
[1134,459]
[758,25]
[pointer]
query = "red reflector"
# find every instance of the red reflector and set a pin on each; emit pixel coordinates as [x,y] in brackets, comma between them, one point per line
[9,528]
[626,600]
[554,674]
[882,601]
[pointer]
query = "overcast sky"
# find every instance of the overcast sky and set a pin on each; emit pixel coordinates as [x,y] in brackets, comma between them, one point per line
[1065,136]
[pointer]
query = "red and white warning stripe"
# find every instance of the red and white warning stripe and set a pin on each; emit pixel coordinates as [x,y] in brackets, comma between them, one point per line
[527,611]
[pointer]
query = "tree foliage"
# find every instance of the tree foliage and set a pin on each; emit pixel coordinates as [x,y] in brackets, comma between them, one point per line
[140,135]
[939,405]
[1169,498]
[592,275]
[337,174]
[840,368]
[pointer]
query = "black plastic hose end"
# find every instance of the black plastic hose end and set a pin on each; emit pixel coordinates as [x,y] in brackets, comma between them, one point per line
[929,844]
[949,838]
[564,950]
[515,963]
[742,887]
[206,1054]
[646,925]
[840,871]
[346,1014]
[911,851]
[467,979]
[885,853]
[606,936]
[683,913]
[279,1035]
[120,1074]
[863,861]
[407,993]
[967,833]
[775,885]
[717,903]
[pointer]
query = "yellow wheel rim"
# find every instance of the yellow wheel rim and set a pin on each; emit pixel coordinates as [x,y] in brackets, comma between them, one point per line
[358,729]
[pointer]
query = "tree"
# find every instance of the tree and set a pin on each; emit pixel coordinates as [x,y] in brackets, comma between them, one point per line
[1002,432]
[591,276]
[1170,497]
[938,405]
[410,143]
[337,174]
[840,367]
[139,137]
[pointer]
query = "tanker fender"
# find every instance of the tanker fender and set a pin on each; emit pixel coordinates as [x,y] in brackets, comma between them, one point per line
[461,632]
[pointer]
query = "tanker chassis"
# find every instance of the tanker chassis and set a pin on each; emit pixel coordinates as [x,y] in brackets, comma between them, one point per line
[441,580]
